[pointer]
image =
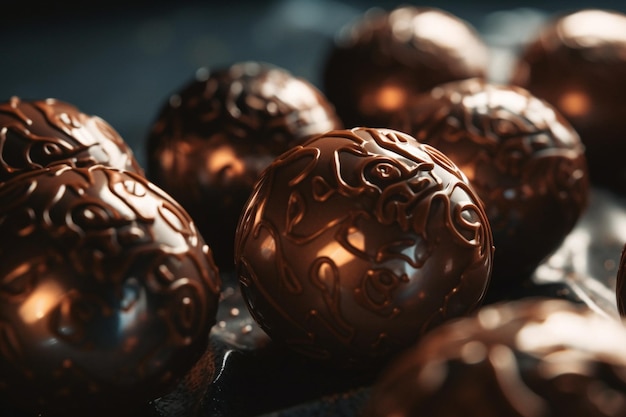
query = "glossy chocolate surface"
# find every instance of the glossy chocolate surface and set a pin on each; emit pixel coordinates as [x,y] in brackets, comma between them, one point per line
[212,140]
[37,133]
[355,243]
[522,157]
[383,60]
[578,64]
[531,358]
[620,286]
[108,291]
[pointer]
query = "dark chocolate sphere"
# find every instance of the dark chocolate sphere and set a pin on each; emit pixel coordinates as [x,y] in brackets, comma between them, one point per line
[357,242]
[108,291]
[212,140]
[578,64]
[380,62]
[529,358]
[522,157]
[37,133]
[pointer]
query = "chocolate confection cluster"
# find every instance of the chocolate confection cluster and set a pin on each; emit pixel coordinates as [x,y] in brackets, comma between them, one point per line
[376,240]
[523,158]
[578,64]
[211,140]
[108,290]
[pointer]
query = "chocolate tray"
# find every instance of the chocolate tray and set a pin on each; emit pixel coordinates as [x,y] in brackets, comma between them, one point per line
[244,373]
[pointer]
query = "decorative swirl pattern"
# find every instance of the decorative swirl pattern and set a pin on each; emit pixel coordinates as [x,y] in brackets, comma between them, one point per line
[107,289]
[381,236]
[577,62]
[523,159]
[528,358]
[210,143]
[36,134]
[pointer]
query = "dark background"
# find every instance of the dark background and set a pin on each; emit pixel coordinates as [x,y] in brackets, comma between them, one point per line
[121,60]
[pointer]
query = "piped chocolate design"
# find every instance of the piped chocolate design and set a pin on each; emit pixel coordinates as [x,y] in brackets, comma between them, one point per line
[522,157]
[577,62]
[108,292]
[211,141]
[38,133]
[357,242]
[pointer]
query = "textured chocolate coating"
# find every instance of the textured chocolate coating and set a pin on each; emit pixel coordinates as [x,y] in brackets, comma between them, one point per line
[521,156]
[529,358]
[578,64]
[355,243]
[212,140]
[108,291]
[37,133]
[382,61]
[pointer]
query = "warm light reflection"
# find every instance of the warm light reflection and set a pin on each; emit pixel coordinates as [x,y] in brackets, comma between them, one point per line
[224,161]
[594,27]
[577,332]
[574,103]
[293,93]
[268,247]
[335,251]
[356,239]
[40,302]
[390,98]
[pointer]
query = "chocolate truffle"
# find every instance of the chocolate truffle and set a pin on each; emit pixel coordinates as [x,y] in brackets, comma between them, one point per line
[522,157]
[357,242]
[212,140]
[578,64]
[532,358]
[380,62]
[37,133]
[108,291]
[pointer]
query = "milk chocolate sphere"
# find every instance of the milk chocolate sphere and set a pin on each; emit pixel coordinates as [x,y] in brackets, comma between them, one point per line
[357,242]
[37,133]
[522,157]
[530,358]
[578,64]
[213,138]
[108,292]
[380,62]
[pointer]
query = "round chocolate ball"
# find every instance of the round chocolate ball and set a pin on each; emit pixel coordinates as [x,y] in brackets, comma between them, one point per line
[378,63]
[532,358]
[213,138]
[108,291]
[357,242]
[37,133]
[523,158]
[577,63]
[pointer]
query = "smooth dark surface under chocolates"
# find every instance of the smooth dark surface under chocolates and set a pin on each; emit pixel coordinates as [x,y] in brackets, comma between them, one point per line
[530,358]
[212,140]
[522,157]
[577,63]
[37,133]
[357,242]
[108,291]
[383,60]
